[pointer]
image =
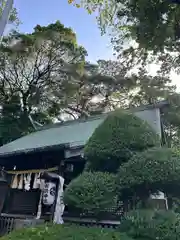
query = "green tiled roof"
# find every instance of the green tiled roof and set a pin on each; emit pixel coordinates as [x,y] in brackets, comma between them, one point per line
[73,133]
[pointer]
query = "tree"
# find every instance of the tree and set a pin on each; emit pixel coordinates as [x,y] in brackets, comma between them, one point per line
[151,89]
[48,72]
[140,88]
[29,66]
[155,169]
[94,89]
[135,89]
[171,121]
[14,123]
[116,140]
[123,84]
[154,25]
[85,86]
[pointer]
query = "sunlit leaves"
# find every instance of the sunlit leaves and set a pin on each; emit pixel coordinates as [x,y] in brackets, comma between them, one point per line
[153,24]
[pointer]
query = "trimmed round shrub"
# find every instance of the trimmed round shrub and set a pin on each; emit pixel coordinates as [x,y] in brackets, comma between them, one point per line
[91,192]
[65,232]
[151,225]
[149,171]
[116,140]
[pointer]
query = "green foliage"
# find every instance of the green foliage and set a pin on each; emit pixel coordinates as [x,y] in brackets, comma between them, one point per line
[117,139]
[65,232]
[31,69]
[15,123]
[43,40]
[55,27]
[56,31]
[145,22]
[151,225]
[153,24]
[106,9]
[91,192]
[47,69]
[151,170]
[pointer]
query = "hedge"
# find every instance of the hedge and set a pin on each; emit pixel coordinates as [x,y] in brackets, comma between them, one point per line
[116,139]
[151,225]
[65,232]
[91,192]
[151,170]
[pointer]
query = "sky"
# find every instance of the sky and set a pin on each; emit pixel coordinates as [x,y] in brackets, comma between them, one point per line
[44,12]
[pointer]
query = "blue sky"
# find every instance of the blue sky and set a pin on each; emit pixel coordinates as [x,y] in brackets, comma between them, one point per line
[44,12]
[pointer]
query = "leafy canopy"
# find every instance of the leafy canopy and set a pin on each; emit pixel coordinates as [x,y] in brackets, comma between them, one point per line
[153,24]
[31,67]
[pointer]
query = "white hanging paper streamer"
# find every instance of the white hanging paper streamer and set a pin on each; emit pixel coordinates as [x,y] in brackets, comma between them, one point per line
[36,183]
[20,185]
[39,207]
[27,181]
[15,182]
[40,200]
[42,183]
[39,179]
[59,209]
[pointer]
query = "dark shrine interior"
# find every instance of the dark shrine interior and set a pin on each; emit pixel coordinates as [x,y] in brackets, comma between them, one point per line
[33,160]
[22,202]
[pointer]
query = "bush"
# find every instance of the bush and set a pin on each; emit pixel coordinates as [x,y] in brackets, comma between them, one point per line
[116,139]
[151,225]
[151,170]
[91,192]
[65,232]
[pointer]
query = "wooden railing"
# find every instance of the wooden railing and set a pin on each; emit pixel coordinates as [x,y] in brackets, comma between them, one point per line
[107,219]
[110,218]
[6,225]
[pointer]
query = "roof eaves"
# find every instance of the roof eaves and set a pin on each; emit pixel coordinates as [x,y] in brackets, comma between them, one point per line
[77,145]
[34,150]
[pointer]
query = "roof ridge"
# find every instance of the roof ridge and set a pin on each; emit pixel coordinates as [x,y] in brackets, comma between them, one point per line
[94,117]
[73,121]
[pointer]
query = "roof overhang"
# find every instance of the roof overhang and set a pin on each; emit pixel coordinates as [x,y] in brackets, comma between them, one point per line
[35,150]
[73,128]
